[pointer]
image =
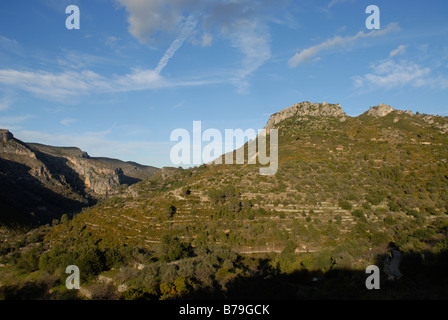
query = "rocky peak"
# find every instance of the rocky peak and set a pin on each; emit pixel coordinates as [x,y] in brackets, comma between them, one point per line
[305,109]
[380,110]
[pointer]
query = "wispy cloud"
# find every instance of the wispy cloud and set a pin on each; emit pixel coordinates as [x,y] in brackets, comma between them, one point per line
[78,60]
[54,85]
[187,30]
[254,44]
[244,23]
[401,49]
[388,74]
[10,45]
[66,85]
[309,54]
[68,121]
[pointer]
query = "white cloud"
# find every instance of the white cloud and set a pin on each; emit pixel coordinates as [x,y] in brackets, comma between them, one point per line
[389,74]
[242,22]
[68,121]
[308,54]
[399,50]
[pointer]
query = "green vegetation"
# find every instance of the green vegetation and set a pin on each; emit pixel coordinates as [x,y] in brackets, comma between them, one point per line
[342,192]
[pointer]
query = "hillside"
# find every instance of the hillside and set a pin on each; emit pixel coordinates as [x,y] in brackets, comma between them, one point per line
[39,183]
[345,188]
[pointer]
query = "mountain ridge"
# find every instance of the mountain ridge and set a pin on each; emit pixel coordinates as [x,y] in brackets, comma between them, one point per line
[309,109]
[48,175]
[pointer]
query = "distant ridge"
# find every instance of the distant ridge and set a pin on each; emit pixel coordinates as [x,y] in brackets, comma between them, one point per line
[40,182]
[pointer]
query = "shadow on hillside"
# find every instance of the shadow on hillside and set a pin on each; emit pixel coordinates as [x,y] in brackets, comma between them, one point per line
[25,201]
[425,277]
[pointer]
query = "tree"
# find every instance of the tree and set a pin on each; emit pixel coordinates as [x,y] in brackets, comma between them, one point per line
[345,205]
[169,211]
[171,248]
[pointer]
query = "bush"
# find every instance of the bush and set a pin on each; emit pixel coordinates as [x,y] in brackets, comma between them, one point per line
[423,234]
[393,206]
[139,294]
[345,205]
[224,194]
[171,248]
[374,198]
[358,213]
[169,211]
[323,260]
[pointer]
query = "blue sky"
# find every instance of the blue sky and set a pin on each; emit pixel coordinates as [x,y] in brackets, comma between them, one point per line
[138,69]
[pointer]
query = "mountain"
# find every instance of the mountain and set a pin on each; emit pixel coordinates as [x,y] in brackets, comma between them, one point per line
[39,182]
[395,160]
[346,187]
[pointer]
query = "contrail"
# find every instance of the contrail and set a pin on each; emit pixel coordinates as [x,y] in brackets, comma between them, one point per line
[188,28]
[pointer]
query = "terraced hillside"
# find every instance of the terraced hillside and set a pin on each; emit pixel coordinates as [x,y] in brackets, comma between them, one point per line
[333,174]
[345,188]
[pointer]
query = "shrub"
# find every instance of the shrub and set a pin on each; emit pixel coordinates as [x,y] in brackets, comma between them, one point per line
[393,206]
[169,211]
[345,205]
[171,248]
[358,213]
[139,294]
[374,198]
[323,260]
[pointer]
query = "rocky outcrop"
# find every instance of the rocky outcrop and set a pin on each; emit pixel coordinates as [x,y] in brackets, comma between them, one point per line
[435,122]
[380,111]
[5,135]
[383,110]
[306,109]
[12,146]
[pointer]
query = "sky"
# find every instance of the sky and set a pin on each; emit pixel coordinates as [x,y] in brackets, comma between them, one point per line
[136,70]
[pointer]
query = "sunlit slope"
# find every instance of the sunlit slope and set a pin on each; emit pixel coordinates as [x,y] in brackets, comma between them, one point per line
[339,178]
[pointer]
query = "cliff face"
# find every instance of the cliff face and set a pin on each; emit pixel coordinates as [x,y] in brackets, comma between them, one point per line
[98,179]
[38,182]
